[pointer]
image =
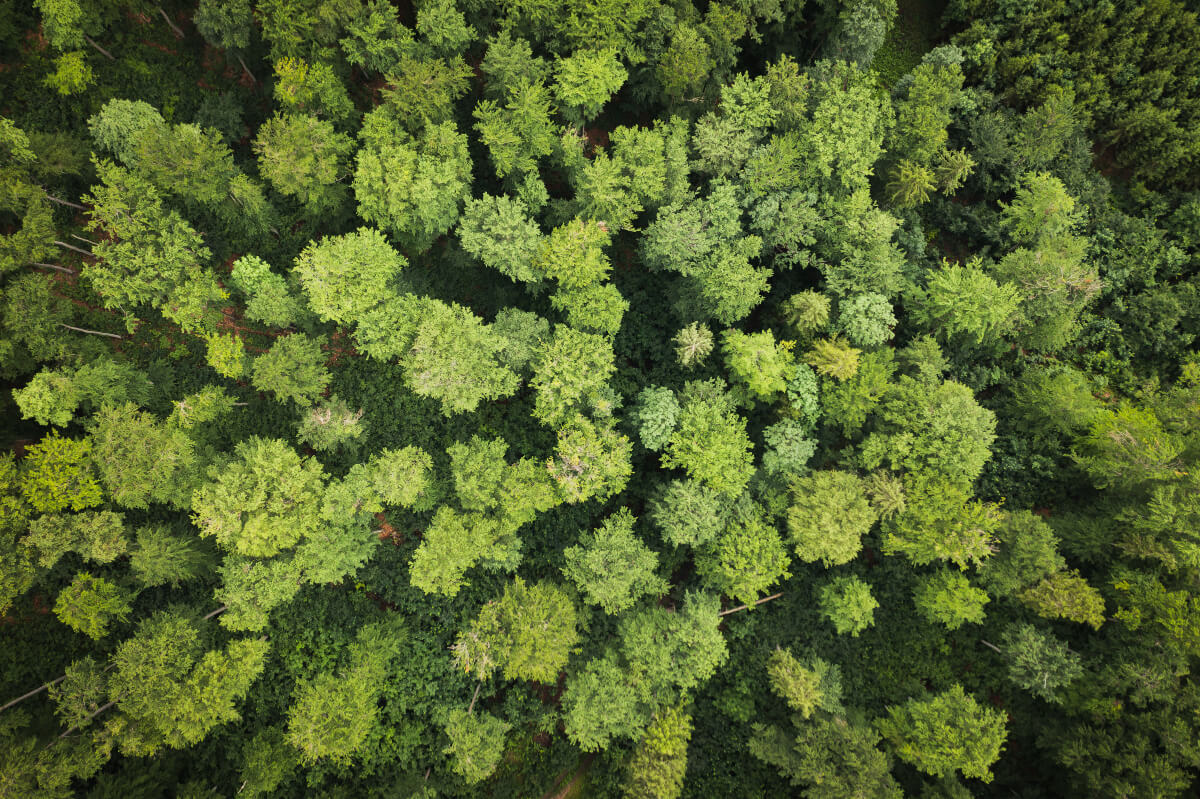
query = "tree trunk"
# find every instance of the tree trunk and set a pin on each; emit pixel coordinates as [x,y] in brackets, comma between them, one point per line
[471,707]
[55,267]
[85,241]
[54,199]
[248,72]
[91,332]
[71,247]
[34,692]
[993,647]
[178,33]
[217,612]
[750,605]
[98,47]
[89,718]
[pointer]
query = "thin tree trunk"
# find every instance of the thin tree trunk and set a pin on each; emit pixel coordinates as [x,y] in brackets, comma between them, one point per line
[992,647]
[471,707]
[248,72]
[91,332]
[34,692]
[71,247]
[216,612]
[98,47]
[89,718]
[178,33]
[239,404]
[751,604]
[85,241]
[54,199]
[55,267]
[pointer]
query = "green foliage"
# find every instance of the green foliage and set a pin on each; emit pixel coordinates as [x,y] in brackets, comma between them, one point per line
[746,559]
[590,461]
[1040,663]
[1065,595]
[611,567]
[945,733]
[656,413]
[526,634]
[711,445]
[657,766]
[941,522]
[72,74]
[261,503]
[808,685]
[162,557]
[89,604]
[476,743]
[569,373]
[847,602]
[268,298]
[756,361]
[689,513]
[833,357]
[866,319]
[313,88]
[333,714]
[499,232]
[57,473]
[304,157]
[331,424]
[413,188]
[346,276]
[963,301]
[947,597]
[293,369]
[828,516]
[457,359]
[693,344]
[585,80]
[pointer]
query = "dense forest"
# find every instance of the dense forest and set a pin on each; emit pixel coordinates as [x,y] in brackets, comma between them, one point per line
[536,399]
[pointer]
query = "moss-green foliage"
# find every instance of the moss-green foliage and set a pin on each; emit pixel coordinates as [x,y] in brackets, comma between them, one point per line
[391,455]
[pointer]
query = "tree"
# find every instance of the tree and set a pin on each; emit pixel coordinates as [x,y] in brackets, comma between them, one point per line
[1039,662]
[806,312]
[519,133]
[569,374]
[747,557]
[590,461]
[413,188]
[346,276]
[169,693]
[757,362]
[945,733]
[611,567]
[963,301]
[150,255]
[941,522]
[1065,595]
[476,743]
[833,357]
[712,446]
[89,604]
[689,513]
[457,359]
[693,344]
[143,460]
[584,81]
[499,232]
[948,597]
[268,298]
[835,757]
[601,703]
[1026,552]
[866,319]
[847,602]
[57,473]
[263,502]
[304,157]
[293,368]
[807,686]
[657,766]
[828,517]
[656,414]
[333,714]
[162,557]
[311,88]
[267,761]
[453,542]
[670,653]
[527,634]
[789,449]
[422,91]
[331,425]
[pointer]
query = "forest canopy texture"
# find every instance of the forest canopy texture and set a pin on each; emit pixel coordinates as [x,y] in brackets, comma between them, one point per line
[611,399]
